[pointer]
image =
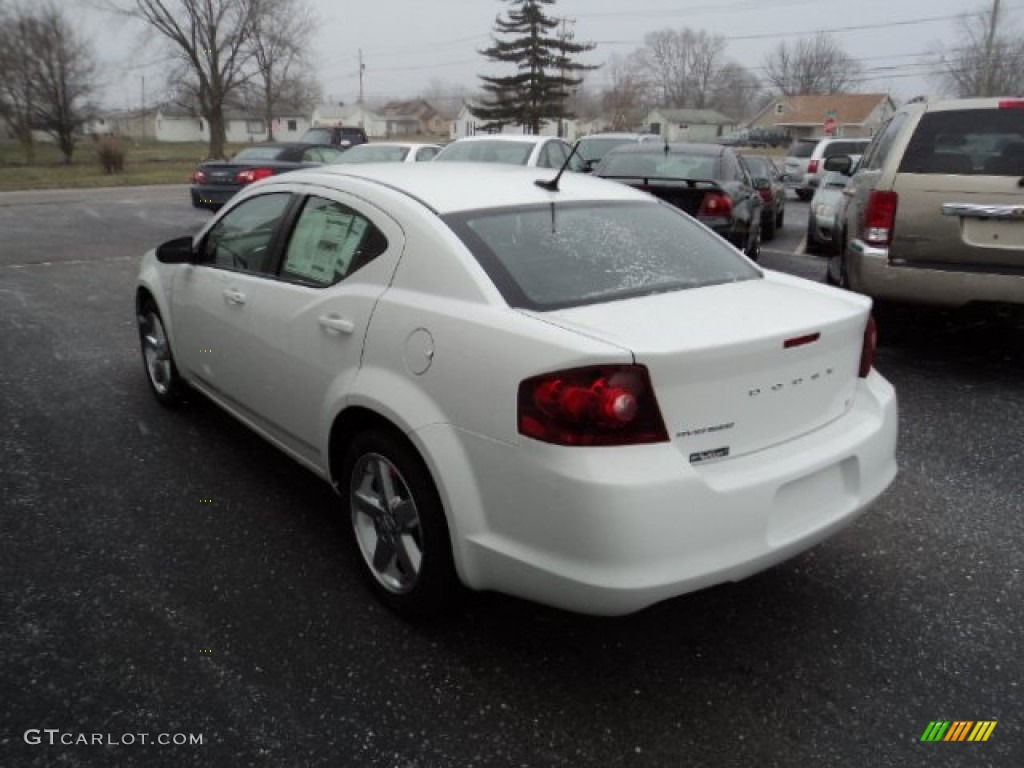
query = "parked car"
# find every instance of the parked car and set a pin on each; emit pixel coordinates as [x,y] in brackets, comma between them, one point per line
[577,395]
[390,152]
[533,151]
[595,146]
[215,182]
[823,218]
[344,136]
[707,181]
[935,210]
[805,160]
[773,212]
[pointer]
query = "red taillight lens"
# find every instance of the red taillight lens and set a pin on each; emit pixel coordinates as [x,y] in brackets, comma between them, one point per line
[597,405]
[249,175]
[766,195]
[812,166]
[879,217]
[715,205]
[198,177]
[1011,104]
[867,351]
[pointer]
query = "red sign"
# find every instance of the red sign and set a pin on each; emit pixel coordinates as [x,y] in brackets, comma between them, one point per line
[830,126]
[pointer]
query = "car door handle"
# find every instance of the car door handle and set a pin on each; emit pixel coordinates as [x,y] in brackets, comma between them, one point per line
[231,296]
[336,324]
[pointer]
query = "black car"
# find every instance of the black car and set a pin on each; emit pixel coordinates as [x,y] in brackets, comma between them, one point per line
[774,195]
[707,181]
[215,182]
[343,136]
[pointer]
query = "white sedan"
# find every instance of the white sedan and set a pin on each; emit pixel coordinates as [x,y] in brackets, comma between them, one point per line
[578,395]
[389,152]
[532,151]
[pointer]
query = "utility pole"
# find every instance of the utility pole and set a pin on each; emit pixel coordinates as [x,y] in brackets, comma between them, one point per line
[565,36]
[986,77]
[362,109]
[142,113]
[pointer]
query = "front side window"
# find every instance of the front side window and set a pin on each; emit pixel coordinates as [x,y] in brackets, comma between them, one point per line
[553,256]
[330,242]
[241,239]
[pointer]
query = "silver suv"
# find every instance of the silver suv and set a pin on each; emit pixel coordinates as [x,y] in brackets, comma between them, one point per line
[934,213]
[806,159]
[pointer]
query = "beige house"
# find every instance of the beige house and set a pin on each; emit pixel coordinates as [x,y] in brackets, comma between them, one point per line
[855,115]
[350,114]
[413,117]
[696,125]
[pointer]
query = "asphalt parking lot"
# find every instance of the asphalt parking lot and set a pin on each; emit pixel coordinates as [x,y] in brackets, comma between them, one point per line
[167,574]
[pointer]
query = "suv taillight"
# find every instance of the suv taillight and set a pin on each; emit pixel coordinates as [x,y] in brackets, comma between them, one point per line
[1011,104]
[596,405]
[867,351]
[812,166]
[249,175]
[715,205]
[879,218]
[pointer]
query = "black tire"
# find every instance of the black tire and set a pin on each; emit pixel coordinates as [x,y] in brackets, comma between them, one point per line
[781,218]
[157,358]
[768,227]
[398,526]
[805,194]
[837,264]
[811,244]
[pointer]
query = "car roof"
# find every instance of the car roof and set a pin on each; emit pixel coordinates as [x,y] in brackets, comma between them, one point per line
[614,135]
[452,187]
[674,148]
[407,144]
[526,137]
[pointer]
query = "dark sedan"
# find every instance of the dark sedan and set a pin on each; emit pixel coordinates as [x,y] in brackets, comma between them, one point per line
[216,181]
[707,181]
[774,194]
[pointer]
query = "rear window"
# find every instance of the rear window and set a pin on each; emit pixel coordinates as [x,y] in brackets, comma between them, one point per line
[595,149]
[368,153]
[554,256]
[257,153]
[972,142]
[802,148]
[655,164]
[507,152]
[317,136]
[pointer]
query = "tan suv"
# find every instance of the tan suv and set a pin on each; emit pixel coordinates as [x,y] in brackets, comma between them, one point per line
[934,213]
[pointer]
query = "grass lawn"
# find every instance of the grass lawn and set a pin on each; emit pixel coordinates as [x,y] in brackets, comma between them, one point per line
[145,163]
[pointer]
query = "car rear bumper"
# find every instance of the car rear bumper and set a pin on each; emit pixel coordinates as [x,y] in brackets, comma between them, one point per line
[611,531]
[870,272]
[212,197]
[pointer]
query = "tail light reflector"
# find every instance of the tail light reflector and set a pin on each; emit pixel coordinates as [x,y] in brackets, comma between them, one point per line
[879,217]
[715,205]
[812,166]
[867,351]
[249,175]
[596,405]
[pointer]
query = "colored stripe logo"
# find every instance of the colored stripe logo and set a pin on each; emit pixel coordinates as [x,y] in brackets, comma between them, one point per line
[958,730]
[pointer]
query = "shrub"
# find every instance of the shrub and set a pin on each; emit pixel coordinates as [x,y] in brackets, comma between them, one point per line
[110,153]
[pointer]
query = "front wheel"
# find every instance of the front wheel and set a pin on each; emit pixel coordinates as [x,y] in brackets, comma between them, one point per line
[398,525]
[164,380]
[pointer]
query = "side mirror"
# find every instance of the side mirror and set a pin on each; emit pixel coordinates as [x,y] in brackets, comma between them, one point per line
[841,163]
[761,184]
[176,251]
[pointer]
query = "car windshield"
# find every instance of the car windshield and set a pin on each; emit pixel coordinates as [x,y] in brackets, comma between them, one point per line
[368,153]
[508,152]
[555,256]
[249,154]
[655,164]
[987,142]
[802,148]
[595,149]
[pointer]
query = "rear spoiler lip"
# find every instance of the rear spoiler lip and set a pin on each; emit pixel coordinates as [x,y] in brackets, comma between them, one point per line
[651,181]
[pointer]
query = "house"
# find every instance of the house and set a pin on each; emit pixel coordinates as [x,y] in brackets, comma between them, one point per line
[132,123]
[174,123]
[855,115]
[696,125]
[350,114]
[467,124]
[413,117]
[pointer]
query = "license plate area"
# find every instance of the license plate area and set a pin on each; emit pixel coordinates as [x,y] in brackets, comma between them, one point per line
[993,233]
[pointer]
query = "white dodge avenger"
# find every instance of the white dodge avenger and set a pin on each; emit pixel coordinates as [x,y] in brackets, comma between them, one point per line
[571,391]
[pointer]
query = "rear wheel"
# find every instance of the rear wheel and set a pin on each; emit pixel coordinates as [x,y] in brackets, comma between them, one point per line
[768,226]
[164,380]
[398,525]
[753,249]
[805,194]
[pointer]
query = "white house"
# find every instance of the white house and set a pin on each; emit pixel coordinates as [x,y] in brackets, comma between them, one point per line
[174,124]
[696,125]
[350,114]
[468,125]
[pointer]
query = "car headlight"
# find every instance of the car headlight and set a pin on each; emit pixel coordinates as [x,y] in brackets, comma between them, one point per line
[823,210]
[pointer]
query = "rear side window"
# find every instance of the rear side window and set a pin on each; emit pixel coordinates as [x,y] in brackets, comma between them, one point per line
[802,148]
[835,148]
[554,256]
[878,151]
[972,142]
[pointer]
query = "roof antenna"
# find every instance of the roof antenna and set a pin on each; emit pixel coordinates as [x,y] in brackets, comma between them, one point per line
[553,183]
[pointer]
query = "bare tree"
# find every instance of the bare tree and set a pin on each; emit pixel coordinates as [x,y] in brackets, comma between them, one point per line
[811,65]
[622,98]
[987,61]
[683,65]
[47,72]
[280,31]
[737,92]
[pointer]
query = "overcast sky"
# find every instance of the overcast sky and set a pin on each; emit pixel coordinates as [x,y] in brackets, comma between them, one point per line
[408,44]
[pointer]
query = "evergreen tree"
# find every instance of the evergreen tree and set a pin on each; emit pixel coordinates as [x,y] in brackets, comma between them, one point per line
[545,71]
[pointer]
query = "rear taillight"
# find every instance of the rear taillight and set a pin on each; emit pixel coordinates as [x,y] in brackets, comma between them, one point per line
[879,218]
[596,405]
[1011,103]
[198,177]
[249,175]
[867,351]
[766,195]
[812,166]
[715,205]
